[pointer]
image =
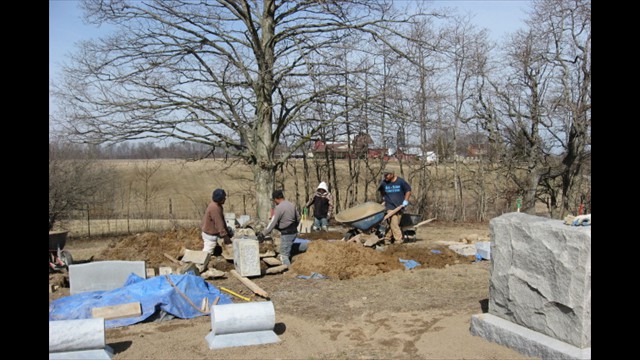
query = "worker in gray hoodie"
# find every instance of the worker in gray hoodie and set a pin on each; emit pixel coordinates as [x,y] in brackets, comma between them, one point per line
[285,219]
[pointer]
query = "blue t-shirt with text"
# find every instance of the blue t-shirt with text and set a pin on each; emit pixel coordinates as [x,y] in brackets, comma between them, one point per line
[393,192]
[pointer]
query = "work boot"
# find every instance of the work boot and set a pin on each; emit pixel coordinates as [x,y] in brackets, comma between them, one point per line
[227,251]
[284,260]
[325,228]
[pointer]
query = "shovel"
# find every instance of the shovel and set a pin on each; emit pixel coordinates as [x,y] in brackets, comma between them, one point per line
[304,225]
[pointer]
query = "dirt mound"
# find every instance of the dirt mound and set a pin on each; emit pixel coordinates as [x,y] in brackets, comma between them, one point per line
[341,260]
[333,258]
[151,246]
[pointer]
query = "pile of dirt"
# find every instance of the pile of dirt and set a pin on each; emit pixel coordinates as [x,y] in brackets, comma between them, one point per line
[151,246]
[342,260]
[325,255]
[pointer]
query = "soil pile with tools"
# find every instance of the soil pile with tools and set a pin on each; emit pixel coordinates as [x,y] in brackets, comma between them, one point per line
[325,254]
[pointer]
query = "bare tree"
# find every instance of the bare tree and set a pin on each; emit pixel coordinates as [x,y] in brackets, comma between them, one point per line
[538,111]
[567,25]
[147,189]
[74,178]
[227,74]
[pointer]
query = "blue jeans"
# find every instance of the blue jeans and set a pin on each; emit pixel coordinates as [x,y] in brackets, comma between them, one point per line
[319,223]
[286,241]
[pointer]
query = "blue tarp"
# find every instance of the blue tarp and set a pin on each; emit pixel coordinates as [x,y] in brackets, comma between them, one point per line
[155,295]
[409,264]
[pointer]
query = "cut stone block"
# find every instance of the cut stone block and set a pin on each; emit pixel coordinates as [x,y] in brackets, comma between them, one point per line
[464,249]
[102,275]
[483,248]
[244,231]
[276,269]
[269,253]
[243,219]
[230,219]
[196,257]
[524,340]
[541,276]
[242,324]
[151,272]
[165,270]
[246,258]
[271,261]
[73,335]
[189,268]
[102,354]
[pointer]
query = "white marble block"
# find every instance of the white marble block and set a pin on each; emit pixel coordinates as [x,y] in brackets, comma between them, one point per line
[246,255]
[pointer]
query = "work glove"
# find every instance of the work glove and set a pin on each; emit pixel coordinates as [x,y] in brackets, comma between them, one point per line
[584,220]
[405,203]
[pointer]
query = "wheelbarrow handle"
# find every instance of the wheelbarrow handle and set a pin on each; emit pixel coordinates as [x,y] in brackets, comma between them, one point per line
[392,212]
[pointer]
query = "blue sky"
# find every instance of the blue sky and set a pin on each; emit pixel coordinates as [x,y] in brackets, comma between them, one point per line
[66,27]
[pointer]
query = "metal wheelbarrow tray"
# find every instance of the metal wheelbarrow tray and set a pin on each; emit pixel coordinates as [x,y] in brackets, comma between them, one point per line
[409,220]
[58,258]
[407,225]
[363,216]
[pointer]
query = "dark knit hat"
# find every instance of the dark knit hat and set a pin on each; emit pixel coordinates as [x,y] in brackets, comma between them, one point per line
[277,194]
[218,195]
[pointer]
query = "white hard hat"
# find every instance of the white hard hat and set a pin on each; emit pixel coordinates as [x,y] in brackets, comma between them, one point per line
[323,185]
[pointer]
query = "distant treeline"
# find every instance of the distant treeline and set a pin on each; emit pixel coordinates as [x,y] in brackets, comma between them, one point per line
[141,150]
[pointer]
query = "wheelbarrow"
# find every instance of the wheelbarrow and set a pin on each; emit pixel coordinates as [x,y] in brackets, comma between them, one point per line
[58,257]
[367,218]
[363,218]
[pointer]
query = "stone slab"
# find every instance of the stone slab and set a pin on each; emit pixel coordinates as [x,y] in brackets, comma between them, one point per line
[483,249]
[101,354]
[196,257]
[241,339]
[524,340]
[103,275]
[77,334]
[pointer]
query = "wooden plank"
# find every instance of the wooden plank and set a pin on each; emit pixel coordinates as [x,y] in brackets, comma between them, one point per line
[250,284]
[172,259]
[117,311]
[424,222]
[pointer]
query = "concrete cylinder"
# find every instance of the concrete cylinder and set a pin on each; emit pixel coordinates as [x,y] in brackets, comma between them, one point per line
[73,335]
[242,317]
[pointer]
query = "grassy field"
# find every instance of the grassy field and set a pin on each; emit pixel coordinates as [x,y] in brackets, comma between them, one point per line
[161,194]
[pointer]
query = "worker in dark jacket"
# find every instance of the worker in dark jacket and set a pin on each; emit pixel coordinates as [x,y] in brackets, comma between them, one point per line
[322,202]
